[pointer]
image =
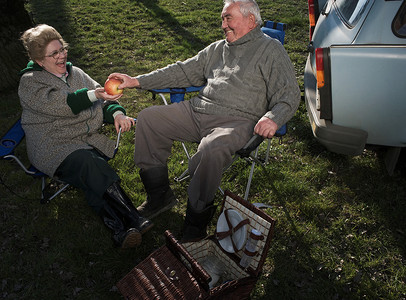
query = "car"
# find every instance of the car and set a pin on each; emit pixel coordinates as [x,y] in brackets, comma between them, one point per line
[315,7]
[355,76]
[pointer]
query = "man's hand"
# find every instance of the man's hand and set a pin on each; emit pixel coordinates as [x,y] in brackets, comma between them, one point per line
[265,128]
[127,81]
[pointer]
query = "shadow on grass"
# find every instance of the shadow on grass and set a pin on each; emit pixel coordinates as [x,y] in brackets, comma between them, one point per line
[300,275]
[368,183]
[54,12]
[172,25]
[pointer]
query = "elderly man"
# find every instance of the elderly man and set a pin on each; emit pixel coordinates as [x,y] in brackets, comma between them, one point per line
[250,88]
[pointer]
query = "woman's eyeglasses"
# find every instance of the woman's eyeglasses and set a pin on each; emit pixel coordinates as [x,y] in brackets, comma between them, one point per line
[57,53]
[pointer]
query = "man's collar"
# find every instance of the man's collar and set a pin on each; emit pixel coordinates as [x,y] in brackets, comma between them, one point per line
[253,34]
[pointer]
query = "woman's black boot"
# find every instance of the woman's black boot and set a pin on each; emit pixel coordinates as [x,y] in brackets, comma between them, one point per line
[122,236]
[117,198]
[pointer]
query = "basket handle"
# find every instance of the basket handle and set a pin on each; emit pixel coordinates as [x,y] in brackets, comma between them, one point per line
[197,270]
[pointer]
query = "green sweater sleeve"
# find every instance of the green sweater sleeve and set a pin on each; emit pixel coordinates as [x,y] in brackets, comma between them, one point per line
[109,110]
[79,101]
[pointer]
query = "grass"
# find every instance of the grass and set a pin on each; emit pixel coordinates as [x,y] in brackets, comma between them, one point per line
[340,230]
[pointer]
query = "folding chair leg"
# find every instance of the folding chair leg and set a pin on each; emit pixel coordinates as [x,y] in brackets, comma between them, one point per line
[44,198]
[247,189]
[58,192]
[186,151]
[183,176]
[221,190]
[43,184]
[268,149]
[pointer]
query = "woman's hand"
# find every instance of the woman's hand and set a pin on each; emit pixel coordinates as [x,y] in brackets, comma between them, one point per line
[123,122]
[101,94]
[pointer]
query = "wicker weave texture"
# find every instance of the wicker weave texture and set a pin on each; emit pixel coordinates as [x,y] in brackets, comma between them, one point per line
[164,275]
[201,250]
[160,276]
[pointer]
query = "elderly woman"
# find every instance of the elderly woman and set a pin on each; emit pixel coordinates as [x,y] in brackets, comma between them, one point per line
[63,110]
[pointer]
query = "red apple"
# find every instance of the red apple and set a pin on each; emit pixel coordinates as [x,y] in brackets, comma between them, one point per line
[111,87]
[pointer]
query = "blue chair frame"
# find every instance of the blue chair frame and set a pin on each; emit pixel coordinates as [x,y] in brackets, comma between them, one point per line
[9,143]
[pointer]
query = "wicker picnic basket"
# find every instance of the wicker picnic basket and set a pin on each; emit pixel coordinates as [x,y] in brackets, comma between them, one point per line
[175,271]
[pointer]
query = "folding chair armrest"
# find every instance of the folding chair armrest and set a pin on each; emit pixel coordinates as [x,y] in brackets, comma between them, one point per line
[281,131]
[252,144]
[11,139]
[118,139]
[256,140]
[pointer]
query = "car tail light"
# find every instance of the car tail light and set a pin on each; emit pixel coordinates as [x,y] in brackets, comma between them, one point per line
[312,17]
[320,67]
[312,14]
[323,76]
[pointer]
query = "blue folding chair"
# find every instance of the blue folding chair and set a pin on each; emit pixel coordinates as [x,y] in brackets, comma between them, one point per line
[8,144]
[250,151]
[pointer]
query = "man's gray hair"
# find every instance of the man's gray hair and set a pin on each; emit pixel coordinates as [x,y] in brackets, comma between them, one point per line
[247,7]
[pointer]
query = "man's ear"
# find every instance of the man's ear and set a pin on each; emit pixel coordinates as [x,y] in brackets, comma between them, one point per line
[252,21]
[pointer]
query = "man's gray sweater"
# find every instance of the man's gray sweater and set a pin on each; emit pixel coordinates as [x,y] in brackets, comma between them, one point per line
[251,77]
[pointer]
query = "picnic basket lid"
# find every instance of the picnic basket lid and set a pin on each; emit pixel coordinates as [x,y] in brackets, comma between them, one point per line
[257,219]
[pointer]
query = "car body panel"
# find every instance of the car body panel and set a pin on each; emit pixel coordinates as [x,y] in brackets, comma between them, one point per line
[339,139]
[372,91]
[378,25]
[366,63]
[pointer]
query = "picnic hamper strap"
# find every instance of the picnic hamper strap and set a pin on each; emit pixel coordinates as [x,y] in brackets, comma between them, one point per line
[178,250]
[254,237]
[249,253]
[231,229]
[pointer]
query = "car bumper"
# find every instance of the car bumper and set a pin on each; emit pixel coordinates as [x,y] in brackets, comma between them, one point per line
[338,139]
